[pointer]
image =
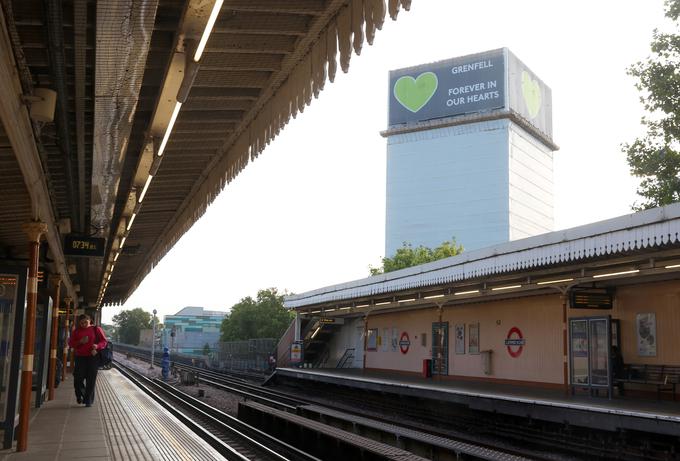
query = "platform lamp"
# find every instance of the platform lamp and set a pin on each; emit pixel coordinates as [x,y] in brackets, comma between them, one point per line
[42,103]
[153,338]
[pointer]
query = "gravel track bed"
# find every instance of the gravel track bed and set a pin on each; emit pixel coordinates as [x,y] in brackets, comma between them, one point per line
[222,400]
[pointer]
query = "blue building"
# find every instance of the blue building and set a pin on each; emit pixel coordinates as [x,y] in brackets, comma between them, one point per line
[190,329]
[469,153]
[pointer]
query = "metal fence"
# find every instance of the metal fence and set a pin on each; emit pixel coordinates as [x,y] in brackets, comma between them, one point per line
[251,354]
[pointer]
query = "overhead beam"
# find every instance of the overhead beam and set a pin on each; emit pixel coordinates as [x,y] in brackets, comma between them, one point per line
[16,122]
[302,7]
[79,40]
[55,45]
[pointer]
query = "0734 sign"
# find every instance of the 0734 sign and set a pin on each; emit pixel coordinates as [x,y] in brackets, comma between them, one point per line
[84,246]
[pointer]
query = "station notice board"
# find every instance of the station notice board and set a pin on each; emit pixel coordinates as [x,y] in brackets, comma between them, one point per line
[592,299]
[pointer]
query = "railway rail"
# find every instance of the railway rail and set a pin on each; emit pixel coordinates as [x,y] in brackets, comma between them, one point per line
[232,438]
[468,447]
[536,439]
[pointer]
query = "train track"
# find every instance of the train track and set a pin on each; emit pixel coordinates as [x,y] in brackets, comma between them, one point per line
[375,410]
[531,438]
[232,438]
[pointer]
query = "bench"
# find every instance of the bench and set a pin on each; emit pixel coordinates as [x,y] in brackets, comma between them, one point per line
[663,377]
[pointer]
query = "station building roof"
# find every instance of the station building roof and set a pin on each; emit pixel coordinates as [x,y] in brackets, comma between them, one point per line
[630,247]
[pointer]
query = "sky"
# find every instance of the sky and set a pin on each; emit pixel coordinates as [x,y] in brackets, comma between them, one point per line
[310,211]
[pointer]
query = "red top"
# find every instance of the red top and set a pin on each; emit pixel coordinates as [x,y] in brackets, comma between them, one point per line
[85,350]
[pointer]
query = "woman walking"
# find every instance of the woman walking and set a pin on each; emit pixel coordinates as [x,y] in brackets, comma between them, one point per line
[86,339]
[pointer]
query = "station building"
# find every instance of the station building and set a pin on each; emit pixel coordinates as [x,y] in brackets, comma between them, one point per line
[547,311]
[190,329]
[469,153]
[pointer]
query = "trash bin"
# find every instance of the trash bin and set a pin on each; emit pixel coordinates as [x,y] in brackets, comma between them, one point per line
[486,361]
[427,368]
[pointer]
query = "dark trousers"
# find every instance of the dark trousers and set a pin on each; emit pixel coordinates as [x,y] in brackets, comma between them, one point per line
[85,377]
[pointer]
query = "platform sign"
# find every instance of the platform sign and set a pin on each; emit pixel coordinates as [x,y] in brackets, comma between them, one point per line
[84,246]
[592,298]
[515,342]
[404,343]
[296,350]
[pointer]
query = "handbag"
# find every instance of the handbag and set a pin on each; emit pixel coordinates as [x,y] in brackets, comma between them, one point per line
[104,356]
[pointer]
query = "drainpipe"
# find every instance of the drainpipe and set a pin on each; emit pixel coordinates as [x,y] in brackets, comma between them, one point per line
[51,377]
[565,353]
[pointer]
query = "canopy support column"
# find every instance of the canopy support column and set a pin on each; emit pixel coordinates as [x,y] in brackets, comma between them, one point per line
[35,230]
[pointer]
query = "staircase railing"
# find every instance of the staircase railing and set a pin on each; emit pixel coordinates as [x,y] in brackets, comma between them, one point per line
[323,358]
[348,356]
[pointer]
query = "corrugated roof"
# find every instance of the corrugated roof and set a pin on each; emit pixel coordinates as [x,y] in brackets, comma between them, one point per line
[647,229]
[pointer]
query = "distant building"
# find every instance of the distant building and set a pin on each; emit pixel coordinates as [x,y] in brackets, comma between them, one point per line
[469,153]
[190,329]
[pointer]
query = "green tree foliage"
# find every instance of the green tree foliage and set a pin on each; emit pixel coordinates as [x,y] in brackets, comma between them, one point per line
[655,158]
[129,323]
[206,349]
[407,256]
[264,317]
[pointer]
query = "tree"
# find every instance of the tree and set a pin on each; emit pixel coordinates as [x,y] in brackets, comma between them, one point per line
[264,317]
[655,157]
[407,256]
[206,349]
[129,323]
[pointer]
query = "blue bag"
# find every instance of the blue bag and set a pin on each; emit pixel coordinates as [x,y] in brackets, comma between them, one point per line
[104,356]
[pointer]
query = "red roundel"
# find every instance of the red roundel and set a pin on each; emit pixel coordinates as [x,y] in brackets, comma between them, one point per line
[404,342]
[515,342]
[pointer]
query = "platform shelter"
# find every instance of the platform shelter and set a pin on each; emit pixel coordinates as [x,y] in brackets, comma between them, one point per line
[592,309]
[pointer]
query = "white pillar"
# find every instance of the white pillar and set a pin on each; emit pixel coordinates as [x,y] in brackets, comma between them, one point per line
[297,326]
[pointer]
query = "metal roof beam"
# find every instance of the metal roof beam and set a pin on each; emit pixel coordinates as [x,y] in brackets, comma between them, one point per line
[17,125]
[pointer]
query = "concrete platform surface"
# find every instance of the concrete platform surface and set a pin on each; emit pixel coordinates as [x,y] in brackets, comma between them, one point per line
[123,424]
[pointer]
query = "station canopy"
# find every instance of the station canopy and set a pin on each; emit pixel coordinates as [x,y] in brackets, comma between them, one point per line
[151,120]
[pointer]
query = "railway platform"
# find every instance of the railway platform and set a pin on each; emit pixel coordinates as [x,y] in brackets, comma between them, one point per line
[661,417]
[123,424]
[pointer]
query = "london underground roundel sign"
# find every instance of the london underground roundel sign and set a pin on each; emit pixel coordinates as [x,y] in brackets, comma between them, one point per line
[515,342]
[404,342]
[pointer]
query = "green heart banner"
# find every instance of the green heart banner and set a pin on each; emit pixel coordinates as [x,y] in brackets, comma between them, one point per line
[491,81]
[447,88]
[531,93]
[414,93]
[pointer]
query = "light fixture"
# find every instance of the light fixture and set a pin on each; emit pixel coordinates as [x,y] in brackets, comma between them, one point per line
[146,186]
[433,296]
[316,332]
[672,266]
[315,312]
[383,303]
[362,305]
[43,101]
[168,130]
[466,292]
[122,242]
[509,287]
[345,308]
[115,258]
[406,300]
[130,221]
[611,274]
[208,29]
[553,281]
